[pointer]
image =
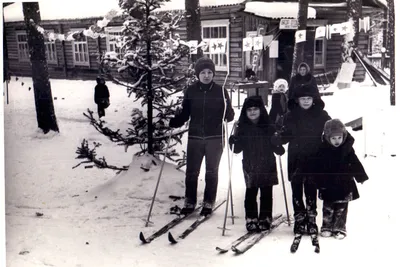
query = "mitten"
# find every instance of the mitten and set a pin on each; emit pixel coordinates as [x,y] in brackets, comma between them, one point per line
[276,140]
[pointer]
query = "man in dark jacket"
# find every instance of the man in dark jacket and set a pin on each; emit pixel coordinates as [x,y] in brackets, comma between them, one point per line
[101,96]
[207,105]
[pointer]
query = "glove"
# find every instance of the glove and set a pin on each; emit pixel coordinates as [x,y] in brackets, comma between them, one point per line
[233,139]
[276,140]
[174,123]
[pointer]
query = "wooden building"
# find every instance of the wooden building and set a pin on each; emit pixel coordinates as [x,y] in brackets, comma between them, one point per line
[233,20]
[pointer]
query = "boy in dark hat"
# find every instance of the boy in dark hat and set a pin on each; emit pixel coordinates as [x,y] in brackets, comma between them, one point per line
[335,166]
[302,129]
[207,105]
[253,135]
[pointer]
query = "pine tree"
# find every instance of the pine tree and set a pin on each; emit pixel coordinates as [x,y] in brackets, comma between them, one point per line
[298,53]
[392,52]
[45,114]
[148,66]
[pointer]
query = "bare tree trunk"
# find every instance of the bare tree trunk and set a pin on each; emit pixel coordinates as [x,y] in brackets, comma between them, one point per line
[392,52]
[298,53]
[45,115]
[193,25]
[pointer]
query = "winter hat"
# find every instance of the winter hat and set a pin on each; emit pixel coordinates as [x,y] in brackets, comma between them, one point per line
[303,64]
[334,127]
[306,90]
[253,101]
[204,63]
[278,83]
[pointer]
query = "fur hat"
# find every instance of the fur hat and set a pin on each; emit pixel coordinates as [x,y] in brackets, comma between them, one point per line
[253,101]
[204,63]
[306,90]
[334,127]
[278,83]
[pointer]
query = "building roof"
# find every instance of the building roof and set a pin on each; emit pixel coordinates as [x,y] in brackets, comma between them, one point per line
[277,9]
[78,9]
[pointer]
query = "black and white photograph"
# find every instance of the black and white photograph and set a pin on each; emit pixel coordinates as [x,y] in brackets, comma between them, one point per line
[199,133]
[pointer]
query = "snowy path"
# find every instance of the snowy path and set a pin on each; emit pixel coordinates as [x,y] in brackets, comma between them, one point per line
[40,178]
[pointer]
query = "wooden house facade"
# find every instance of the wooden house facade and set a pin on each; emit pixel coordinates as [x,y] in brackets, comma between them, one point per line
[79,59]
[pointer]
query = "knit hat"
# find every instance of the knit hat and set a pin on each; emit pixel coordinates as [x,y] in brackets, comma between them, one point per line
[334,127]
[204,63]
[306,90]
[278,83]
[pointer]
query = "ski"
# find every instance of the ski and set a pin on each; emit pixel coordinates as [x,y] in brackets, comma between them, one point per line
[240,239]
[257,237]
[165,228]
[193,226]
[315,242]
[295,243]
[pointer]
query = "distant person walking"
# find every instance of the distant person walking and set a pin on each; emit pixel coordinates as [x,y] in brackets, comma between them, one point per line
[303,77]
[101,96]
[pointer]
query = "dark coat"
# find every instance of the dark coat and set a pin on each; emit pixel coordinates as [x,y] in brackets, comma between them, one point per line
[254,140]
[205,107]
[334,170]
[299,80]
[302,129]
[278,108]
[101,93]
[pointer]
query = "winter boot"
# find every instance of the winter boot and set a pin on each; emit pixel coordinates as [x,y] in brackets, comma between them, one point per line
[326,233]
[207,209]
[340,235]
[187,209]
[312,226]
[300,228]
[252,225]
[264,224]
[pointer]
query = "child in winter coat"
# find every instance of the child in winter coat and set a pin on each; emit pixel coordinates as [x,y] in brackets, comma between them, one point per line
[279,102]
[302,129]
[207,105]
[335,167]
[253,136]
[101,96]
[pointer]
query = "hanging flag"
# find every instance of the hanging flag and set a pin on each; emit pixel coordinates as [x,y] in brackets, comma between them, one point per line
[258,43]
[193,46]
[274,49]
[267,39]
[247,44]
[320,32]
[204,44]
[221,44]
[345,28]
[214,46]
[367,24]
[335,28]
[328,32]
[360,24]
[300,36]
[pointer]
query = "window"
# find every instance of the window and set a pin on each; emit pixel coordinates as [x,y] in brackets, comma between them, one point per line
[320,52]
[217,29]
[113,34]
[51,51]
[23,49]
[80,50]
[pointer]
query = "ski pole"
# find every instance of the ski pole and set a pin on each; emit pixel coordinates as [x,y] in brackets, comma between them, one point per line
[158,180]
[284,190]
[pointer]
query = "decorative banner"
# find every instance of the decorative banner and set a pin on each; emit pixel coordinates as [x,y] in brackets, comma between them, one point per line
[221,44]
[193,46]
[204,44]
[288,24]
[267,40]
[346,28]
[274,49]
[214,46]
[258,43]
[335,28]
[320,32]
[328,34]
[300,36]
[247,44]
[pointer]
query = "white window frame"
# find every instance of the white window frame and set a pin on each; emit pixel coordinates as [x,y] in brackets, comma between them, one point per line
[249,54]
[25,51]
[324,45]
[49,49]
[82,54]
[218,23]
[110,31]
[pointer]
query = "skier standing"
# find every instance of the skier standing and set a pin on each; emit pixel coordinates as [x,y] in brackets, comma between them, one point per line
[302,129]
[205,103]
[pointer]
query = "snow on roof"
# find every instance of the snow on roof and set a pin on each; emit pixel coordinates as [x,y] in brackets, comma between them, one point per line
[76,9]
[277,9]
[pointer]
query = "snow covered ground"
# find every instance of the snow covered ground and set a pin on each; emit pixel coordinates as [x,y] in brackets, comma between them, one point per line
[93,217]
